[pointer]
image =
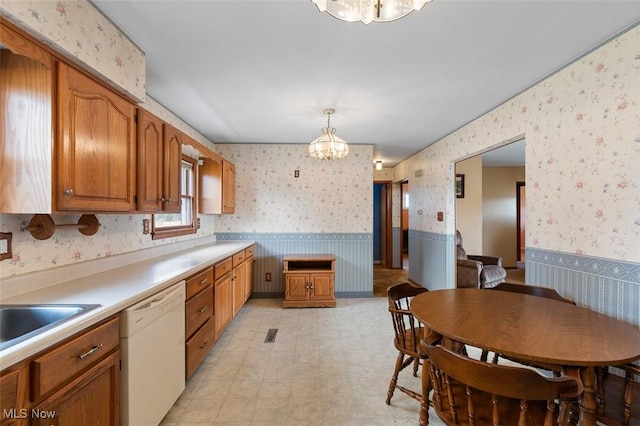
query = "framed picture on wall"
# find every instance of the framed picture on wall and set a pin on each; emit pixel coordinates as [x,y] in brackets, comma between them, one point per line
[459,186]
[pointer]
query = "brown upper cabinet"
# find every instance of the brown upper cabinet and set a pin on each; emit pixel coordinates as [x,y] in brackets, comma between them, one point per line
[66,140]
[26,134]
[94,156]
[217,186]
[159,157]
[71,144]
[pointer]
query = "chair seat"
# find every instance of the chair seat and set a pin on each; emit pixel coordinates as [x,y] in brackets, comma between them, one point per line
[409,345]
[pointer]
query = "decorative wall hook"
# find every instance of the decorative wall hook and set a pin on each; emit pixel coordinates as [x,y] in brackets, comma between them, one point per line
[42,226]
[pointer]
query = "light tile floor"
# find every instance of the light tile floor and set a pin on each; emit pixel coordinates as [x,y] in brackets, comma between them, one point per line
[327,366]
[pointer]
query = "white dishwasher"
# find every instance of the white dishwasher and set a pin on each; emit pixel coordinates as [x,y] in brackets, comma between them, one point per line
[153,357]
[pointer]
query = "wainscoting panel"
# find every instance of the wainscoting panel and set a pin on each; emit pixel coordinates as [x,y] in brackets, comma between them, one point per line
[611,287]
[431,259]
[354,259]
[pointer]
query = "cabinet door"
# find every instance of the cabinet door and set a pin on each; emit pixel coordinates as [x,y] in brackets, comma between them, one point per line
[172,166]
[322,287]
[150,162]
[249,279]
[223,300]
[228,187]
[239,278]
[91,399]
[95,146]
[296,287]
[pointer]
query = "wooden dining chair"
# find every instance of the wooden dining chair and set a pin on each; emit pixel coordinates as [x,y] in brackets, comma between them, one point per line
[615,395]
[407,334]
[532,290]
[472,392]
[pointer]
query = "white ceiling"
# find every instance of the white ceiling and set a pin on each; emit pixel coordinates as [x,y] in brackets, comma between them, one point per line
[262,71]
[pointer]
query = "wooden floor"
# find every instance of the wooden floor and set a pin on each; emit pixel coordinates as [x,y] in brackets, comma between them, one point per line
[383,278]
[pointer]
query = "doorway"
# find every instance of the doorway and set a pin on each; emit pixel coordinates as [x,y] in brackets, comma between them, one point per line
[520,210]
[382,224]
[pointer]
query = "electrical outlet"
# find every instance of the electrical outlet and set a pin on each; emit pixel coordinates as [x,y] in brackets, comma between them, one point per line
[296,173]
[267,277]
[5,245]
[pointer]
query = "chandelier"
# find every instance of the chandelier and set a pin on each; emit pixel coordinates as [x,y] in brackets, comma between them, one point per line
[368,11]
[328,146]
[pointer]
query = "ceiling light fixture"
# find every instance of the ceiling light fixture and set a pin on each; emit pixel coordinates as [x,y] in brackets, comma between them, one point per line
[328,146]
[378,164]
[368,11]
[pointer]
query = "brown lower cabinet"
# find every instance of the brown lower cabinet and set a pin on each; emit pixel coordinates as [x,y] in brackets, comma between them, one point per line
[75,382]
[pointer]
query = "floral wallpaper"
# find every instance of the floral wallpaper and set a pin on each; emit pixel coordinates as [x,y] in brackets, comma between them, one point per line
[327,197]
[386,174]
[582,127]
[78,30]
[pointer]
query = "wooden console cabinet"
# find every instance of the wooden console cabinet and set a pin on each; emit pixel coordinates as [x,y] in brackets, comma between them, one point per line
[309,281]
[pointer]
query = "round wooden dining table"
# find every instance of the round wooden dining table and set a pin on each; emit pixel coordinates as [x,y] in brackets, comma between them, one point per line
[531,328]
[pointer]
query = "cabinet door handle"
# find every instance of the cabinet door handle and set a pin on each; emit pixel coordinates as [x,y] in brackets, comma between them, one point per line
[90,351]
[203,281]
[204,344]
[204,308]
[69,192]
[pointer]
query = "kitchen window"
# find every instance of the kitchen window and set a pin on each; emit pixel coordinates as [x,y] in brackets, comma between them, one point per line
[167,225]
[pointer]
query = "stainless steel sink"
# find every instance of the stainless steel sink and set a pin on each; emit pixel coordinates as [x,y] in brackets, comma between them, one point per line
[21,322]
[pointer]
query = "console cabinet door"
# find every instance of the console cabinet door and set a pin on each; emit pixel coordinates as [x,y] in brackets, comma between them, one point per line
[95,146]
[296,287]
[322,287]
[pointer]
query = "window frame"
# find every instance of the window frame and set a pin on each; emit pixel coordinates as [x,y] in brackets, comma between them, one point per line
[175,231]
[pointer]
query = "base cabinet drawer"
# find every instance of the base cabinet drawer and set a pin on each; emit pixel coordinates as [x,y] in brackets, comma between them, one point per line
[69,359]
[196,283]
[198,346]
[198,310]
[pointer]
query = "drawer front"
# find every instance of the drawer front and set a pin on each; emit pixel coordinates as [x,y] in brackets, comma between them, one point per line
[223,267]
[198,310]
[238,258]
[196,283]
[72,357]
[248,252]
[198,346]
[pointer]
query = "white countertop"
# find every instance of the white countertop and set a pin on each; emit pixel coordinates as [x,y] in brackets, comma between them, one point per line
[114,289]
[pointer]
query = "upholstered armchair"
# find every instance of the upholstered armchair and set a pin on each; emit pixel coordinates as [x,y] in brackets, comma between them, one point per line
[477,271]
